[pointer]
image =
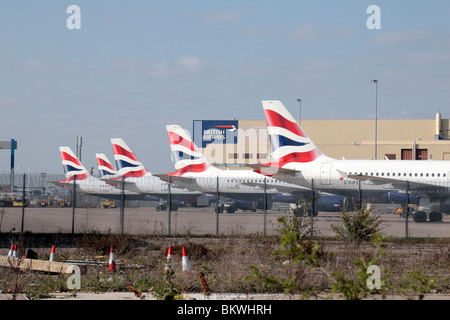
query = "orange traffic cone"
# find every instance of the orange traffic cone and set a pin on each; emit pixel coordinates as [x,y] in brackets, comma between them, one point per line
[185,263]
[15,253]
[52,254]
[11,251]
[112,261]
[169,259]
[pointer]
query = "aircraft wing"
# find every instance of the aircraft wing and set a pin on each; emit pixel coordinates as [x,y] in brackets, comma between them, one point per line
[419,188]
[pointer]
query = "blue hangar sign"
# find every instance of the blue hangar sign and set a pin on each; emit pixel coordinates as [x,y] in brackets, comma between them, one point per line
[215,131]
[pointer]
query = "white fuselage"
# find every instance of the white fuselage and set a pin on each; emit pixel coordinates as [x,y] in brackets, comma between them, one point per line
[431,175]
[237,183]
[153,185]
[94,186]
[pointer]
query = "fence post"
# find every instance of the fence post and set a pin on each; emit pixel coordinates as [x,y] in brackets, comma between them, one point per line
[217,205]
[360,194]
[313,207]
[407,210]
[74,202]
[122,207]
[265,205]
[169,205]
[23,203]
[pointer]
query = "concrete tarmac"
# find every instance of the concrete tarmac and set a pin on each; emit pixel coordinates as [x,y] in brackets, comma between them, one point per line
[191,221]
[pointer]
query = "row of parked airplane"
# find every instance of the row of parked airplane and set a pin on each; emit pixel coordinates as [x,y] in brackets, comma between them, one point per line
[194,183]
[297,166]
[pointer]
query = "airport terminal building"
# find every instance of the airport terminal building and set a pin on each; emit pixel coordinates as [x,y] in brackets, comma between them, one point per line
[234,143]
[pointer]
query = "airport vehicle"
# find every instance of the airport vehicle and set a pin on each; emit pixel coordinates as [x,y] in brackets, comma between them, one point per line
[245,187]
[108,204]
[86,183]
[11,201]
[296,159]
[138,179]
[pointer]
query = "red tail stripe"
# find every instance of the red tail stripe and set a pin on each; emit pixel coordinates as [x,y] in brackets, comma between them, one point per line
[102,162]
[274,119]
[123,152]
[67,157]
[175,138]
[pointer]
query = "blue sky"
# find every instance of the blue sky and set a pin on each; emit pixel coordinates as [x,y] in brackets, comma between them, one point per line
[135,66]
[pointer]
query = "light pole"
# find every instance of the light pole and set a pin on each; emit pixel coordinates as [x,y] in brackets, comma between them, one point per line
[300,101]
[376,114]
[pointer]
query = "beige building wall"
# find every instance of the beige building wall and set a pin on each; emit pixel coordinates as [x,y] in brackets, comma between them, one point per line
[349,139]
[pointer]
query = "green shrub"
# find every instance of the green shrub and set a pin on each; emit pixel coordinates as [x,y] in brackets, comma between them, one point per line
[359,225]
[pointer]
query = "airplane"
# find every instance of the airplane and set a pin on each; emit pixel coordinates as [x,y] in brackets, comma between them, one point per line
[105,167]
[296,159]
[245,187]
[86,183]
[138,179]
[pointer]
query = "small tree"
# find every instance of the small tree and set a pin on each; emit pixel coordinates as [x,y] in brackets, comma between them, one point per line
[359,225]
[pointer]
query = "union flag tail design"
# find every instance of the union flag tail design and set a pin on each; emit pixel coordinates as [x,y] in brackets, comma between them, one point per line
[72,165]
[105,166]
[128,165]
[289,142]
[186,156]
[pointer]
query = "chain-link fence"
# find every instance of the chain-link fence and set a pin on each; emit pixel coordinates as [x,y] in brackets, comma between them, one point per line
[47,203]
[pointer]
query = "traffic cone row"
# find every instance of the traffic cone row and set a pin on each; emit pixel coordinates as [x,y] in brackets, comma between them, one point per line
[13,251]
[185,263]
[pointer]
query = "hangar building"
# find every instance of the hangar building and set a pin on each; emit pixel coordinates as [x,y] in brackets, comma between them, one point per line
[234,143]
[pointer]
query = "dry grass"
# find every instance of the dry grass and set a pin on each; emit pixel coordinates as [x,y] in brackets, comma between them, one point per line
[225,263]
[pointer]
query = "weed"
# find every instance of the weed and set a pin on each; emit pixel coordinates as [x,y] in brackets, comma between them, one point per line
[358,225]
[418,283]
[357,288]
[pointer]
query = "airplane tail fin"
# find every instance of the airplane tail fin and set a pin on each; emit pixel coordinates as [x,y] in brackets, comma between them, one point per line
[288,140]
[185,154]
[105,166]
[72,165]
[128,165]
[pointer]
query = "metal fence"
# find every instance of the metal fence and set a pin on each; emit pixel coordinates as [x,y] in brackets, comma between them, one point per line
[35,203]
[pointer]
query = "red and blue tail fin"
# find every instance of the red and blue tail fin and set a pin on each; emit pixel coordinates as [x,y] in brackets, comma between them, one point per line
[128,165]
[288,140]
[185,154]
[105,167]
[72,165]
